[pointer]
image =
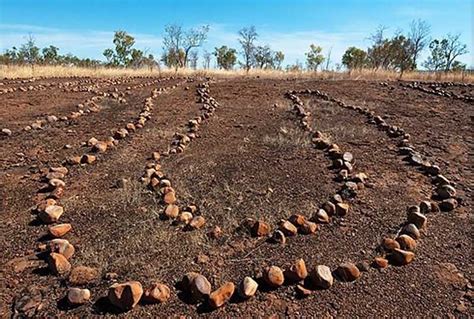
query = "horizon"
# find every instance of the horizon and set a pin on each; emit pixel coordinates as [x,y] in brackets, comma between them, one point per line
[87,30]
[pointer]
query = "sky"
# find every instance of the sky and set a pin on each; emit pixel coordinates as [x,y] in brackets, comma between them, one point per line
[85,28]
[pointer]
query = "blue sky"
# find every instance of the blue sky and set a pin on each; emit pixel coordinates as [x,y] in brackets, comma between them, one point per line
[86,27]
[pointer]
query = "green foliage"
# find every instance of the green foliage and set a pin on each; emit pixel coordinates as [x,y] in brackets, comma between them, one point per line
[354,58]
[122,54]
[226,57]
[29,53]
[444,52]
[51,55]
[172,58]
[314,58]
[278,59]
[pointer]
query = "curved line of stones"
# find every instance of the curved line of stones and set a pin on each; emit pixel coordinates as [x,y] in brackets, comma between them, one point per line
[444,194]
[89,106]
[58,251]
[190,216]
[67,86]
[435,89]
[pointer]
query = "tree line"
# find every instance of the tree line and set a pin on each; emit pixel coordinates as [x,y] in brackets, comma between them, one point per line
[400,52]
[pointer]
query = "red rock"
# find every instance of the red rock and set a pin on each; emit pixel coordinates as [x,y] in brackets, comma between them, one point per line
[297,271]
[171,211]
[297,220]
[58,264]
[59,230]
[380,262]
[260,229]
[157,293]
[406,242]
[273,276]
[220,296]
[347,272]
[401,257]
[125,296]
[287,228]
[308,228]
[197,222]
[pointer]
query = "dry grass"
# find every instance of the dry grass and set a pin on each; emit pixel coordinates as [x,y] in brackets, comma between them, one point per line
[13,72]
[287,138]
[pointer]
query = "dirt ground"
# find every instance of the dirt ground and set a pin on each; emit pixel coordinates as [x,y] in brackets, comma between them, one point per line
[251,160]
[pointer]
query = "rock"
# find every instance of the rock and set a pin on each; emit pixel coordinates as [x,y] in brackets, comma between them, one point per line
[82,275]
[59,230]
[308,228]
[347,272]
[411,230]
[197,222]
[389,244]
[329,208]
[260,229]
[445,192]
[342,209]
[287,228]
[51,214]
[360,178]
[100,147]
[44,204]
[406,242]
[58,264]
[279,237]
[61,246]
[125,296]
[401,257]
[74,160]
[380,263]
[321,217]
[54,175]
[297,220]
[121,134]
[199,286]
[425,207]
[273,276]
[6,132]
[92,141]
[302,291]
[157,293]
[347,157]
[78,296]
[88,159]
[171,211]
[416,218]
[55,182]
[185,217]
[441,180]
[247,288]
[321,277]
[170,198]
[448,205]
[220,296]
[156,156]
[297,271]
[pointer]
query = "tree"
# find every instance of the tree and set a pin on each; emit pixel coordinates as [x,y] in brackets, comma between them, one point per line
[444,52]
[248,36]
[278,59]
[173,58]
[314,58]
[29,53]
[123,49]
[194,38]
[226,57]
[50,55]
[401,53]
[178,43]
[206,56]
[419,34]
[193,58]
[354,58]
[263,57]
